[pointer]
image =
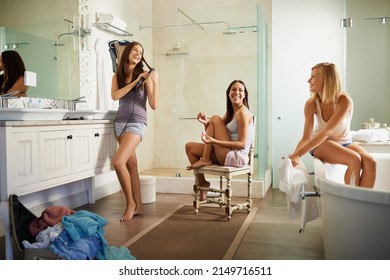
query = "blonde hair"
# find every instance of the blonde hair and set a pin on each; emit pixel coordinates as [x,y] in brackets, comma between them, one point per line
[332,82]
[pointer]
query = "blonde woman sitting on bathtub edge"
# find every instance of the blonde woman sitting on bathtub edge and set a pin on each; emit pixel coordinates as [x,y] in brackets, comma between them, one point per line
[331,139]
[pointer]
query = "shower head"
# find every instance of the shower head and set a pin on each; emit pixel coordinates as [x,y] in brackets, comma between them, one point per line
[56,44]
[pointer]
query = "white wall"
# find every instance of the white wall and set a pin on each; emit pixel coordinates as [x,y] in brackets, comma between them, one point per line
[304,32]
[35,11]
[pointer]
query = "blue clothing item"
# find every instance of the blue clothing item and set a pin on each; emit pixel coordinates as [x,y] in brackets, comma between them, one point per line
[83,249]
[118,253]
[83,239]
[134,128]
[84,224]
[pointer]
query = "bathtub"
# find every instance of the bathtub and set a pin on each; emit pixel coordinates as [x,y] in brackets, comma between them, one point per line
[355,221]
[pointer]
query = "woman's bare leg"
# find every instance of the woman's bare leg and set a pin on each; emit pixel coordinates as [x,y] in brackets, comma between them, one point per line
[368,174]
[200,154]
[126,150]
[353,157]
[194,152]
[216,129]
[132,167]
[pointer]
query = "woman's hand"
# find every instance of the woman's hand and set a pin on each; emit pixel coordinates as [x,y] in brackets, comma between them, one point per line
[294,159]
[208,139]
[144,75]
[202,118]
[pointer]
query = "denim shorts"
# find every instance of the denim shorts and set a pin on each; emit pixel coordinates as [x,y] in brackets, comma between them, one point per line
[135,128]
[344,145]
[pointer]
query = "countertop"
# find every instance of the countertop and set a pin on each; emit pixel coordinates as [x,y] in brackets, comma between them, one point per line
[52,122]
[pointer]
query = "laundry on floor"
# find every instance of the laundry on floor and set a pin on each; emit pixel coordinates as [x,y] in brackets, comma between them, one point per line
[74,235]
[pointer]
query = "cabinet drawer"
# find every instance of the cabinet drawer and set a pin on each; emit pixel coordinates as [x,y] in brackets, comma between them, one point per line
[23,159]
[105,147]
[55,154]
[82,150]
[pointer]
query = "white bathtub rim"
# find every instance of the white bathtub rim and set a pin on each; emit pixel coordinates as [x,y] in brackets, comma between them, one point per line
[355,193]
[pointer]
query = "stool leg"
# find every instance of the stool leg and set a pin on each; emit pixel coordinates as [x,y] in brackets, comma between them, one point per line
[197,193]
[228,208]
[249,199]
[222,195]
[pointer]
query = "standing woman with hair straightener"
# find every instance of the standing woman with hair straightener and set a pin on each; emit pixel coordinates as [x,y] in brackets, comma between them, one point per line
[132,86]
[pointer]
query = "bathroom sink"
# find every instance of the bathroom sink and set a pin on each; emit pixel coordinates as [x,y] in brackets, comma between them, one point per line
[25,114]
[91,114]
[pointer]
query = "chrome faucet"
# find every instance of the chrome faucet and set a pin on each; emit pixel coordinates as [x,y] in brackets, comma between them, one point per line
[5,97]
[73,102]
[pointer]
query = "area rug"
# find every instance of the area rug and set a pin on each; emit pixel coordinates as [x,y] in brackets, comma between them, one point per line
[182,235]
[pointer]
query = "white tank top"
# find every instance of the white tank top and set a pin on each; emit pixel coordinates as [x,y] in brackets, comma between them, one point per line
[342,133]
[232,129]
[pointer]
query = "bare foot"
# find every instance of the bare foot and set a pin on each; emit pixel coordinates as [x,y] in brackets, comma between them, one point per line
[128,215]
[200,163]
[203,193]
[138,212]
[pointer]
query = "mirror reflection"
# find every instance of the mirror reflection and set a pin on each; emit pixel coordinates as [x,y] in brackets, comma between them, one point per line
[55,61]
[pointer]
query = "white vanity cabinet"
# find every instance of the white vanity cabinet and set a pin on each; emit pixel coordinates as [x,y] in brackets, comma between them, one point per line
[105,146]
[40,157]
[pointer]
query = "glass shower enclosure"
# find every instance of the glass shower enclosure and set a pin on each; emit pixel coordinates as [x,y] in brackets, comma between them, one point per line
[201,52]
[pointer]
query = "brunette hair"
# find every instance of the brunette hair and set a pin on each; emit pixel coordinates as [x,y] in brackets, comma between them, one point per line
[123,69]
[13,69]
[229,106]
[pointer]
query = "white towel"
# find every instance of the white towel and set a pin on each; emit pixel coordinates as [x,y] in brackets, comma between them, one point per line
[370,135]
[111,19]
[294,181]
[104,77]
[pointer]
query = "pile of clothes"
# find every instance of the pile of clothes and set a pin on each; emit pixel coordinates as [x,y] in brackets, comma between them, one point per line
[74,235]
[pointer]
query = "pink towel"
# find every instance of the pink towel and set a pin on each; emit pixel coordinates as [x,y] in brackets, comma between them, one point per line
[49,217]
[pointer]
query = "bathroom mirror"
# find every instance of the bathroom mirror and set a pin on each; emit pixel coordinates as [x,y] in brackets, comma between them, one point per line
[47,49]
[31,27]
[368,61]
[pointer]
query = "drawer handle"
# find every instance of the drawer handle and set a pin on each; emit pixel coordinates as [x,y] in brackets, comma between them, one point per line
[69,137]
[97,134]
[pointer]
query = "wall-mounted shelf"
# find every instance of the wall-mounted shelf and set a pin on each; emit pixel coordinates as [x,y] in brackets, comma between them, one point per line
[112,29]
[176,53]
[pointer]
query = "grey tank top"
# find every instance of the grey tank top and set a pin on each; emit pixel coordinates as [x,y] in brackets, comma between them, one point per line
[132,107]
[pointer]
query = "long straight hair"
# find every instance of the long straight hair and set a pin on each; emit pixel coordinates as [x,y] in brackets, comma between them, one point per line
[13,69]
[229,105]
[123,69]
[332,82]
